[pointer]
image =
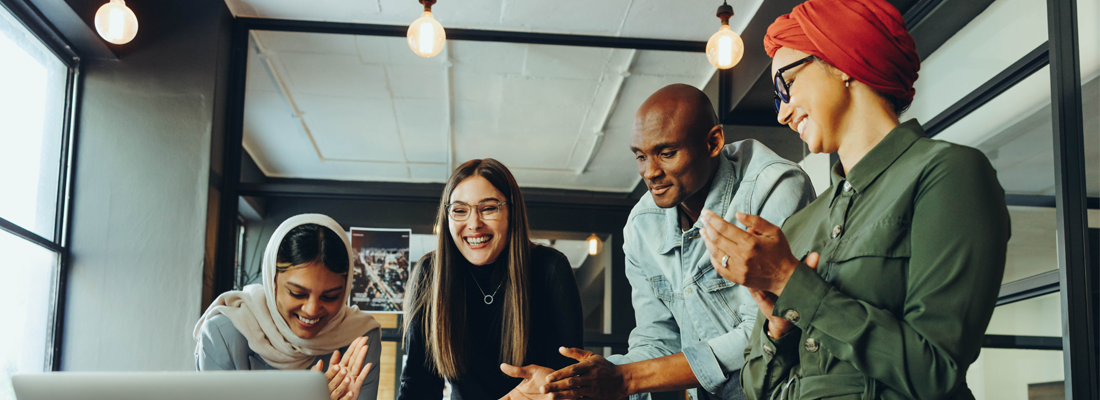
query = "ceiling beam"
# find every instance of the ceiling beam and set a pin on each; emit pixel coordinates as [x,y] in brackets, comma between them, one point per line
[72,33]
[601,132]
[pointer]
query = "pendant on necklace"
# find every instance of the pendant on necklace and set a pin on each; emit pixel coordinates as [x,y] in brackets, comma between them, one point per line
[488,299]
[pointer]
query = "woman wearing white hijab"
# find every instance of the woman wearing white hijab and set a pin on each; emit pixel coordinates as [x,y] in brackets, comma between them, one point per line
[298,316]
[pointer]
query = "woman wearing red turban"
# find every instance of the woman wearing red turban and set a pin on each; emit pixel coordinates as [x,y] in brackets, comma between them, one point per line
[883,287]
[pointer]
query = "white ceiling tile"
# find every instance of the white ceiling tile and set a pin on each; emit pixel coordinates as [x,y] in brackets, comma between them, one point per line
[684,19]
[429,173]
[526,137]
[333,75]
[487,57]
[258,79]
[304,42]
[419,82]
[449,13]
[477,86]
[272,136]
[424,129]
[542,91]
[315,10]
[621,178]
[651,62]
[527,177]
[373,49]
[352,129]
[544,61]
[584,17]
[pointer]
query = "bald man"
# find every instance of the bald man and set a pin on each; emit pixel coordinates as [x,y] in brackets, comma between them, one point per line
[692,325]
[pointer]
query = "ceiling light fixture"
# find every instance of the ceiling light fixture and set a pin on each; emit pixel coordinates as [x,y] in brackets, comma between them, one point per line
[594,243]
[725,47]
[426,36]
[116,23]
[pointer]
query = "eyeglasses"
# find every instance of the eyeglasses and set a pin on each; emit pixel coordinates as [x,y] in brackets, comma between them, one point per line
[488,209]
[782,88]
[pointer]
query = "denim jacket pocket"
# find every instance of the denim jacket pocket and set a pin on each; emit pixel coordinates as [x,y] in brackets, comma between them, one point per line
[662,289]
[721,291]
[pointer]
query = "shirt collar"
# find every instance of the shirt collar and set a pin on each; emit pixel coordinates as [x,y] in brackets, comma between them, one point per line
[718,200]
[876,161]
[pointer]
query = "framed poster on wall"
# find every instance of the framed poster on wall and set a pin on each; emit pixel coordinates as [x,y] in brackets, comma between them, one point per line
[380,270]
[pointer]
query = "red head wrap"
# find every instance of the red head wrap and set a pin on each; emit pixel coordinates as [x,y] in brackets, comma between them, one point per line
[863,38]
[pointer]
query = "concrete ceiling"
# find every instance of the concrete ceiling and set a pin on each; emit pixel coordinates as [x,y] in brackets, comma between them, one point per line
[365,108]
[663,19]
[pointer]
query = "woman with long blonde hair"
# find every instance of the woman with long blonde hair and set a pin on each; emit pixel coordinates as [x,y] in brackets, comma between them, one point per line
[487,295]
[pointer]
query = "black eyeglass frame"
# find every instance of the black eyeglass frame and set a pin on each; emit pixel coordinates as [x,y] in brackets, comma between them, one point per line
[475,207]
[782,88]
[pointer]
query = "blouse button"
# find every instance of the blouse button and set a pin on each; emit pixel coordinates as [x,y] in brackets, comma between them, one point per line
[837,230]
[812,345]
[847,187]
[791,315]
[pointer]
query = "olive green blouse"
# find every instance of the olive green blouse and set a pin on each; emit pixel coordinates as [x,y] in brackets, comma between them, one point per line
[912,246]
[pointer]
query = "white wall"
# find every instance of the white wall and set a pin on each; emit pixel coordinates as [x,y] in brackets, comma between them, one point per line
[143,159]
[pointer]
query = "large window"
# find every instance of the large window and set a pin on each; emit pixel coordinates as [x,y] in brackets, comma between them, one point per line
[35,92]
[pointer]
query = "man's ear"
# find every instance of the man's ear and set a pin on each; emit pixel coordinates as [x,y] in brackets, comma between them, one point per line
[716,140]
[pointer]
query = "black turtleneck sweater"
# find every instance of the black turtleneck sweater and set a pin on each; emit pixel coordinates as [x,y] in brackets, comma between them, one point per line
[556,311]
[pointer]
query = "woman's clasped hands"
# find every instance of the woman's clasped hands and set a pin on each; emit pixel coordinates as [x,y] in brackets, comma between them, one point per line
[345,375]
[758,257]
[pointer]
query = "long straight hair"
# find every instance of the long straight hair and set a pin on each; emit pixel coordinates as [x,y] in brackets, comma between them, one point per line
[438,298]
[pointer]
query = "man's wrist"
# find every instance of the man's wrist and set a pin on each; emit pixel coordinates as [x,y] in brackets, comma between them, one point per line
[627,373]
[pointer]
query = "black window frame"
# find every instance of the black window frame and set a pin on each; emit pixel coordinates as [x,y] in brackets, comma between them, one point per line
[33,20]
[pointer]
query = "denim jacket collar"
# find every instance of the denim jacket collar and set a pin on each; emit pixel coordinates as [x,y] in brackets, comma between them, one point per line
[718,200]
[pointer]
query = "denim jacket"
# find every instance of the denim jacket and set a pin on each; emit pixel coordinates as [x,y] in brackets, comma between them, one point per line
[681,304]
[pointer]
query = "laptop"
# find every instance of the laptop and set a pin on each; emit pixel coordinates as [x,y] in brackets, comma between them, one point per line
[219,385]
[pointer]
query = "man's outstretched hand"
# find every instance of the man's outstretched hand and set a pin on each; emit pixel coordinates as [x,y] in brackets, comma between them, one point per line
[534,377]
[592,377]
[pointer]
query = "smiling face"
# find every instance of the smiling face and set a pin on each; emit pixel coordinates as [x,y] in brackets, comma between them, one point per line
[819,100]
[675,142]
[479,240]
[308,297]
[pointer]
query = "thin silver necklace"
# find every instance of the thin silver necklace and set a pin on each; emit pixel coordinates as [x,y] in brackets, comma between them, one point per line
[488,297]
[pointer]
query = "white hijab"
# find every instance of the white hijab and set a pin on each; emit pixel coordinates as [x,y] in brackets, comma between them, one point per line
[255,314]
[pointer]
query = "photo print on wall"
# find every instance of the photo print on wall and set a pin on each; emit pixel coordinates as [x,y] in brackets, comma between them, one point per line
[381,269]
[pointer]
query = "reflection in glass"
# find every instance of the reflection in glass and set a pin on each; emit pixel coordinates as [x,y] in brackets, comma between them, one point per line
[27,275]
[998,37]
[1009,374]
[32,93]
[1040,316]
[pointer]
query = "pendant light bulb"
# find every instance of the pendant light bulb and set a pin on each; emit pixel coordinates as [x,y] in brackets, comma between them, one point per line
[116,23]
[594,243]
[426,35]
[725,47]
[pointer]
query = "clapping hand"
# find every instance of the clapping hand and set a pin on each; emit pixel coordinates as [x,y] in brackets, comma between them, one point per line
[592,377]
[534,376]
[778,326]
[345,375]
[757,257]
